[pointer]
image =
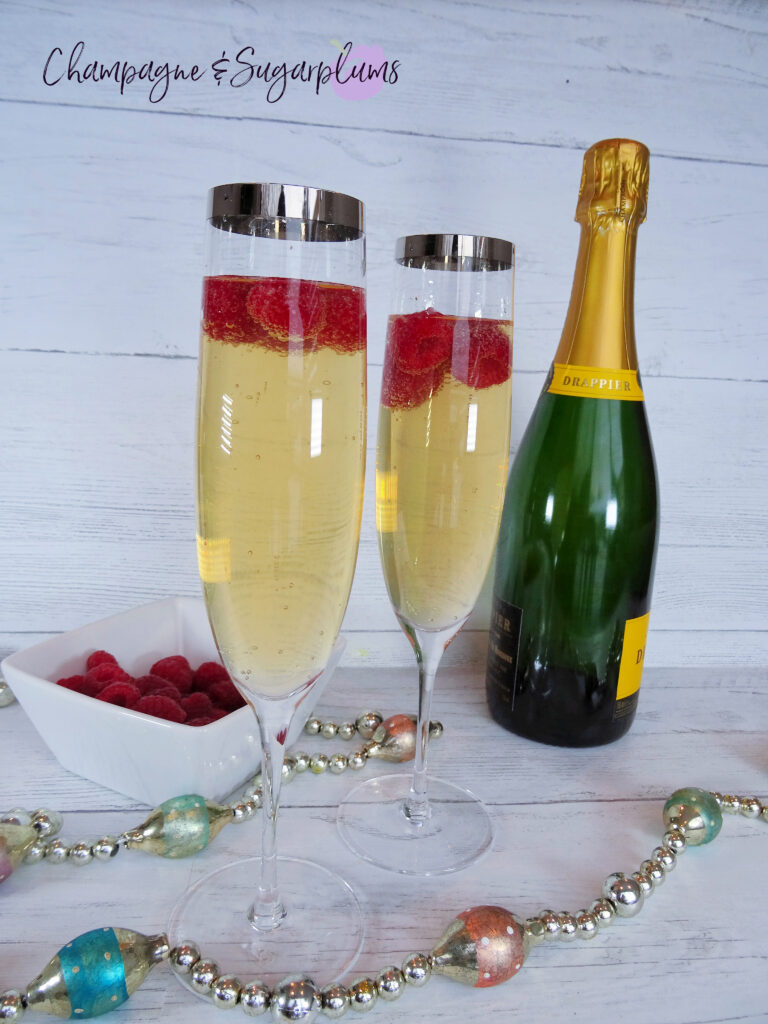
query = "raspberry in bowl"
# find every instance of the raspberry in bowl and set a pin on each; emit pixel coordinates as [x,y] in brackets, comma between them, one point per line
[134,751]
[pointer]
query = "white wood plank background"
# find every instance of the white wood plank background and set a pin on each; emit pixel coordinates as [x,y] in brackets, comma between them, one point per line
[102,206]
[102,216]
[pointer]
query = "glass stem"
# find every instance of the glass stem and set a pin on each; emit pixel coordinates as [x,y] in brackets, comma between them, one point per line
[429,647]
[274,717]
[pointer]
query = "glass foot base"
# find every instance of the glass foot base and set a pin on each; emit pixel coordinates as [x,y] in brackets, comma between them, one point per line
[321,934]
[372,822]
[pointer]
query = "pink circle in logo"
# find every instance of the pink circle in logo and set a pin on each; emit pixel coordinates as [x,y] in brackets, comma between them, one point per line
[370,61]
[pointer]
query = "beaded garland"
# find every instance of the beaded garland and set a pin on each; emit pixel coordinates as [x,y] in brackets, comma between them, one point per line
[482,946]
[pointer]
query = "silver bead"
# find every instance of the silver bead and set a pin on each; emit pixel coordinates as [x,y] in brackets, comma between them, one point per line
[319,763]
[80,853]
[295,998]
[750,807]
[16,816]
[674,839]
[346,730]
[11,1005]
[57,851]
[254,998]
[184,957]
[368,723]
[204,974]
[586,924]
[551,923]
[105,848]
[603,910]
[338,763]
[417,969]
[242,811]
[568,926]
[363,995]
[256,798]
[435,730]
[289,768]
[357,760]
[644,881]
[764,812]
[302,760]
[226,991]
[666,857]
[312,726]
[390,983]
[730,804]
[47,823]
[328,730]
[625,893]
[35,853]
[655,871]
[534,930]
[334,1001]
[6,694]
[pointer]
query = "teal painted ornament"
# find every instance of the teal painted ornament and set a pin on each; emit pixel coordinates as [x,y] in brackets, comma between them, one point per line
[95,972]
[180,827]
[696,812]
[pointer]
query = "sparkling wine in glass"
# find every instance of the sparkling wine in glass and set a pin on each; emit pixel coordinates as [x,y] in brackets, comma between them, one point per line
[441,465]
[280,468]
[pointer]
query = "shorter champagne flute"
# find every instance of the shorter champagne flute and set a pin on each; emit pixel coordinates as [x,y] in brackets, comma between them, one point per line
[441,468]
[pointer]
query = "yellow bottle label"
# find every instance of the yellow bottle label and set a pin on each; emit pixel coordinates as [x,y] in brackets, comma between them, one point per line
[632,656]
[595,382]
[213,560]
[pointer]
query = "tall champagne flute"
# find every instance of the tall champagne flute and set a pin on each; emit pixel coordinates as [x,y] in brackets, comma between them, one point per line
[441,467]
[280,468]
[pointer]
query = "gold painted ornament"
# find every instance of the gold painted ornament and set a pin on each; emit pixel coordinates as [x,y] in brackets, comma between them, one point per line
[15,841]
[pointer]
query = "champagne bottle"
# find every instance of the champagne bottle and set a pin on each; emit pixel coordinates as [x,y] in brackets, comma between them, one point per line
[578,535]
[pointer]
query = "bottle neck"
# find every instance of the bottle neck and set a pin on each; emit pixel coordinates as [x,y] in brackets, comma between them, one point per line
[600,325]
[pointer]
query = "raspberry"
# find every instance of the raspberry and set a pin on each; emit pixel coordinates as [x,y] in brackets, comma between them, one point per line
[342,325]
[197,704]
[203,720]
[124,695]
[289,308]
[80,685]
[218,713]
[225,317]
[208,673]
[166,690]
[106,673]
[161,707]
[176,670]
[418,352]
[403,390]
[420,341]
[100,658]
[150,682]
[225,695]
[482,352]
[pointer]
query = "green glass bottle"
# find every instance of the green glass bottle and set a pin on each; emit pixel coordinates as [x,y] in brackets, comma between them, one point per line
[579,531]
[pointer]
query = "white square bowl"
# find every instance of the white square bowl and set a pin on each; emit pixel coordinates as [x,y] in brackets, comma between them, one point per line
[141,756]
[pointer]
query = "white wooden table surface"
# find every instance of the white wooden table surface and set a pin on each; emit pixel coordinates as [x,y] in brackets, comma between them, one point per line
[697,954]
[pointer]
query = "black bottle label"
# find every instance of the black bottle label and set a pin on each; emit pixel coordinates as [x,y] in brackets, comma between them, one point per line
[504,645]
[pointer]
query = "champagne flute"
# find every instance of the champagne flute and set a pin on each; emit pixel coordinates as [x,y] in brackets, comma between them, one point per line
[441,468]
[280,468]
